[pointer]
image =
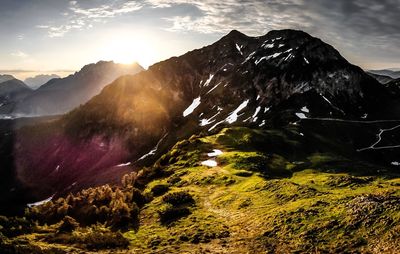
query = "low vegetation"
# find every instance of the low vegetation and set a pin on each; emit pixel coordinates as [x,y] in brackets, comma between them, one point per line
[253,201]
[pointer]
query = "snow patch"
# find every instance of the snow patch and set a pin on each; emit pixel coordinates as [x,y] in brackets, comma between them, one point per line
[209,163]
[256,113]
[204,122]
[301,115]
[269,46]
[124,164]
[249,57]
[305,109]
[234,115]
[276,55]
[153,151]
[261,59]
[288,57]
[215,125]
[212,89]
[239,48]
[209,80]
[41,202]
[196,102]
[215,153]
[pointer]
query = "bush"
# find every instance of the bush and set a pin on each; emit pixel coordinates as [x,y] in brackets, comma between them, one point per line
[138,197]
[178,198]
[68,225]
[170,214]
[159,189]
[13,226]
[93,238]
[105,204]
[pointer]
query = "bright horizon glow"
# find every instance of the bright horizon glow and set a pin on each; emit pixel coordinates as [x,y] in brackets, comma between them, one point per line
[127,49]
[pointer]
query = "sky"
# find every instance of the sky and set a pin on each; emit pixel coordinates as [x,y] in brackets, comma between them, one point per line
[61,36]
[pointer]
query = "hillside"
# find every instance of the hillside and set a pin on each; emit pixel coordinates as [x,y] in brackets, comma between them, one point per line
[238,191]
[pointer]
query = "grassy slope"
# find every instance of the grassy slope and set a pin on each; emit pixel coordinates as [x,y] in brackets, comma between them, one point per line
[256,202]
[239,211]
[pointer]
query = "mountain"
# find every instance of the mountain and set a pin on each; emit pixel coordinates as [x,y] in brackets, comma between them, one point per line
[283,78]
[269,144]
[12,91]
[394,74]
[5,77]
[58,96]
[39,80]
[383,79]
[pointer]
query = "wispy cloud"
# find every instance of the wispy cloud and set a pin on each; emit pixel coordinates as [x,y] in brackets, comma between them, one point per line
[78,17]
[252,17]
[19,54]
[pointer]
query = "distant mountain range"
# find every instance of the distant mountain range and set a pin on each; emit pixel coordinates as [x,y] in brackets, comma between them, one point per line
[39,80]
[12,90]
[4,78]
[284,78]
[383,79]
[394,74]
[59,95]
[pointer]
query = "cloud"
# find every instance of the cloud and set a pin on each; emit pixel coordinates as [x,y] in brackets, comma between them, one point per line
[251,17]
[19,54]
[78,17]
[356,27]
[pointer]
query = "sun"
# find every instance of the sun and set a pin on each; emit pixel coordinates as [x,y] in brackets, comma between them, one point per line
[126,50]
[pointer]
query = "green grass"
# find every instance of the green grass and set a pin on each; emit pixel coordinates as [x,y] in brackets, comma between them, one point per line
[256,201]
[308,210]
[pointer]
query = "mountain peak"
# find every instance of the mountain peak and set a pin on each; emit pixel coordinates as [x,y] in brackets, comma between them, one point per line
[234,35]
[6,77]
